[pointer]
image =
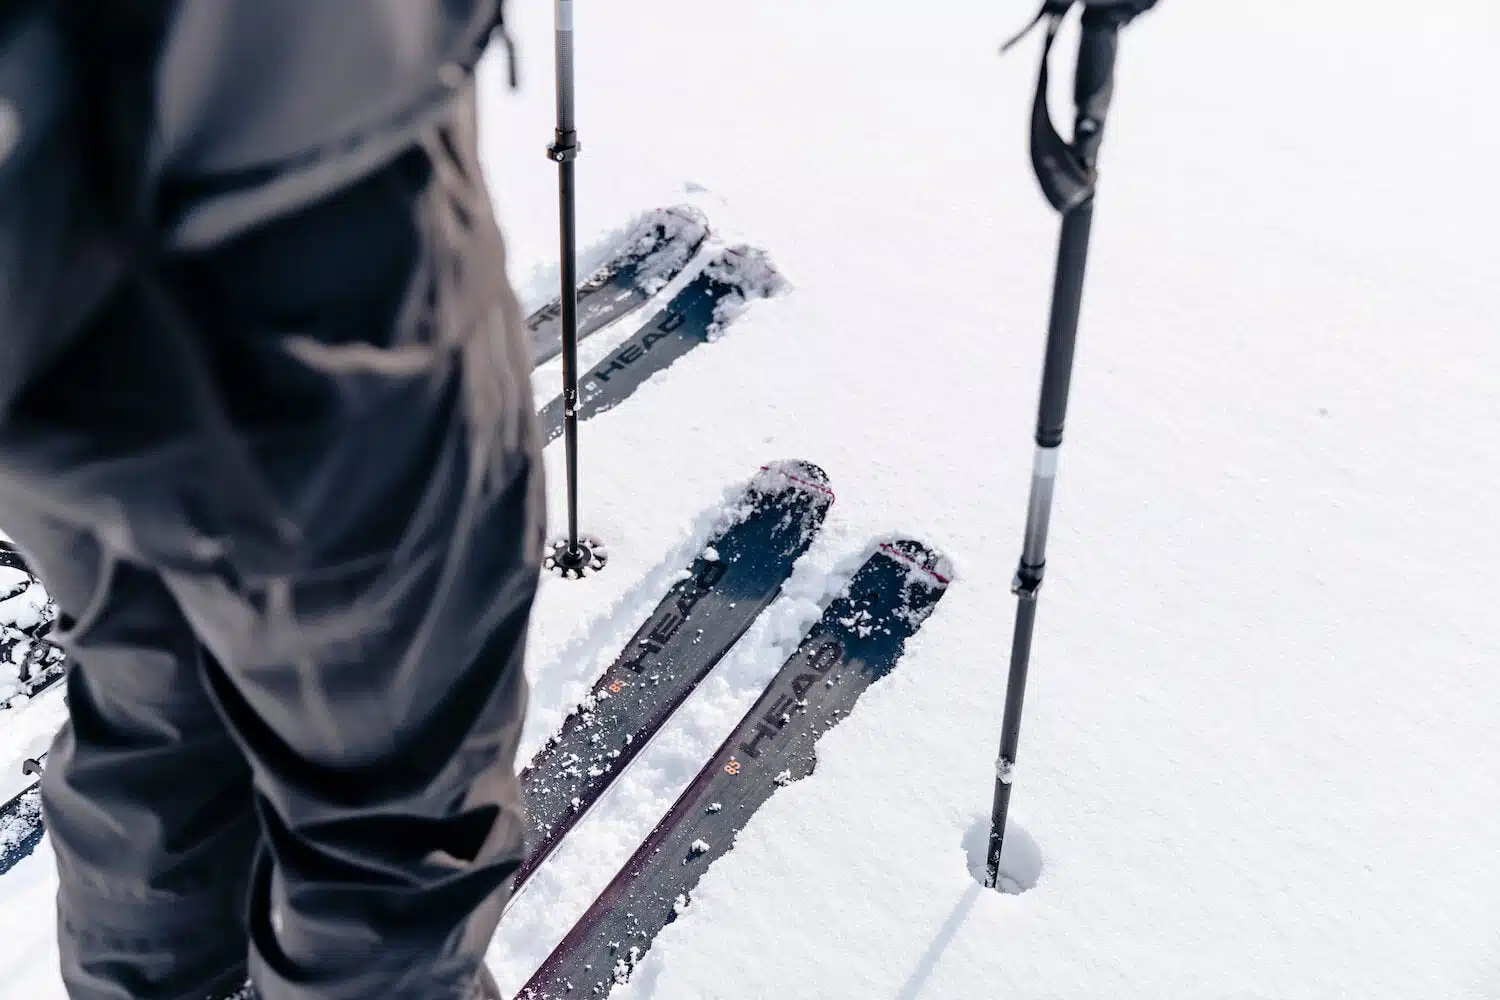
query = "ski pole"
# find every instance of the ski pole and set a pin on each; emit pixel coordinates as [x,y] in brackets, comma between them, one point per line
[1066,172]
[571,556]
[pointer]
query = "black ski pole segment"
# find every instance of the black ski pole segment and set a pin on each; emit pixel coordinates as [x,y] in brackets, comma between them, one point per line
[1067,176]
[573,556]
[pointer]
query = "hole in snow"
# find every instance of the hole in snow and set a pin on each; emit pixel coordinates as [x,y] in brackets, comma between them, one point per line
[1020,857]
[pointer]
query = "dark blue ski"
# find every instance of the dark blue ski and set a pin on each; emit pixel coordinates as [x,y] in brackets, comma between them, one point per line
[857,641]
[39,663]
[20,827]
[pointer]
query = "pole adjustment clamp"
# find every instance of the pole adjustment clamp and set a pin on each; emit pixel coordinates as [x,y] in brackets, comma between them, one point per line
[1027,581]
[564,148]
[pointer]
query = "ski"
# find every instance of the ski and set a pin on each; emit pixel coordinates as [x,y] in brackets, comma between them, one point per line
[694,316]
[649,257]
[26,654]
[38,663]
[735,577]
[20,813]
[10,557]
[857,641]
[20,827]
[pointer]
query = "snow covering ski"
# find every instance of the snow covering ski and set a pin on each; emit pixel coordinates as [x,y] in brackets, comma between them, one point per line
[856,642]
[29,662]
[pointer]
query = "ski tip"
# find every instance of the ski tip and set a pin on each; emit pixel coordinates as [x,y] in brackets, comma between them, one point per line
[776,476]
[686,217]
[663,243]
[749,271]
[681,224]
[927,564]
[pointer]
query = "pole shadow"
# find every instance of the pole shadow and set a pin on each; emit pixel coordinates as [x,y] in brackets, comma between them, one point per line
[927,964]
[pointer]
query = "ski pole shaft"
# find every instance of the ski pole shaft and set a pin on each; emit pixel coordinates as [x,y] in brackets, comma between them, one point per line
[1057,371]
[564,151]
[1066,172]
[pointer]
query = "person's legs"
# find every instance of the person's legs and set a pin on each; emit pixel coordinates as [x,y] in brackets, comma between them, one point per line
[382,731]
[376,686]
[146,797]
[368,351]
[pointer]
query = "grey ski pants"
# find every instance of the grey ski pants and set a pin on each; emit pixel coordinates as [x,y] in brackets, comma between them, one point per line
[301,769]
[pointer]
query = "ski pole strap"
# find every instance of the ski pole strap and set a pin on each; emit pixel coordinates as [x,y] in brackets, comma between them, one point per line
[1066,170]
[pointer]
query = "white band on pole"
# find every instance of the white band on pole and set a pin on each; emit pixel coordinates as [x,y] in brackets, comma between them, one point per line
[1045,463]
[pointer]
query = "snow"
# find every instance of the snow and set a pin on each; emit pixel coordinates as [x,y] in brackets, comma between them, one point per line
[1258,755]
[754,276]
[23,601]
[683,227]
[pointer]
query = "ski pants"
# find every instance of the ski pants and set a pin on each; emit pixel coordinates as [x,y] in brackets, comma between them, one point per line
[307,775]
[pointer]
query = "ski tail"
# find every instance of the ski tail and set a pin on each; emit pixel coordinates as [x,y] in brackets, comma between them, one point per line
[858,640]
[20,827]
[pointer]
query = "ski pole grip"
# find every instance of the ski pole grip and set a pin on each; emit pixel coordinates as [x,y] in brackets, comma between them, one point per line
[1094,83]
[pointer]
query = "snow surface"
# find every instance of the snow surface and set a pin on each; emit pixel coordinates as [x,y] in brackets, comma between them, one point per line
[1259,753]
[23,601]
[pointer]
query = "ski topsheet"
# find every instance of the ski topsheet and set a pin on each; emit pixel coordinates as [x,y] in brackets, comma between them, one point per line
[21,814]
[20,827]
[739,572]
[856,642]
[30,666]
[649,257]
[695,314]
